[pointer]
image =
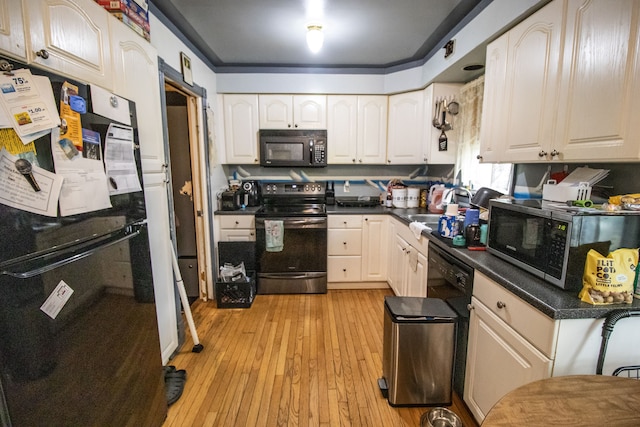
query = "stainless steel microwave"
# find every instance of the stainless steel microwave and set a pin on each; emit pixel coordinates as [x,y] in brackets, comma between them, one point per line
[551,240]
[293,148]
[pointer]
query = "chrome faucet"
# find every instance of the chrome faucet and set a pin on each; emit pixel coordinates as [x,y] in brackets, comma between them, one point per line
[449,195]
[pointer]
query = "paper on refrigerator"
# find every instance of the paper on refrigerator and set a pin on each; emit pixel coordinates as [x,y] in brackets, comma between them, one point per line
[17,192]
[119,160]
[28,103]
[85,182]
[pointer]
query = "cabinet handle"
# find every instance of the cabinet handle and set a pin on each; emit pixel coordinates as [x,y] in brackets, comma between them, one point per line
[344,243]
[344,269]
[237,223]
[366,219]
[295,126]
[555,153]
[42,53]
[353,160]
[470,307]
[289,125]
[500,304]
[479,157]
[542,153]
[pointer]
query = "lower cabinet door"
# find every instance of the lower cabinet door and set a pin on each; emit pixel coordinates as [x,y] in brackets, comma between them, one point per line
[498,361]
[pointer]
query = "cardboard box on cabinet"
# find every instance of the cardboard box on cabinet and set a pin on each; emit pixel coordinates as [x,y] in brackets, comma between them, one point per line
[131,13]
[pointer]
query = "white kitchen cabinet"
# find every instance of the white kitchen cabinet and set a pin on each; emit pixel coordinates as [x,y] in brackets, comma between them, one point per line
[235,228]
[374,247]
[70,37]
[241,127]
[133,58]
[356,248]
[561,86]
[408,261]
[12,34]
[357,129]
[600,82]
[282,111]
[406,128]
[521,84]
[431,150]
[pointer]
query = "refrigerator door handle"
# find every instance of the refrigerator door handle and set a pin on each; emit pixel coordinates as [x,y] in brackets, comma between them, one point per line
[43,266]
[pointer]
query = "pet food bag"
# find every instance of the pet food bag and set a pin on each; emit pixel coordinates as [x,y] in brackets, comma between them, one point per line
[609,279]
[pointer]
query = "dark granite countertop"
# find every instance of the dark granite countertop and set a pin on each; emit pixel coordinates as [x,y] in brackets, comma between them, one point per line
[549,299]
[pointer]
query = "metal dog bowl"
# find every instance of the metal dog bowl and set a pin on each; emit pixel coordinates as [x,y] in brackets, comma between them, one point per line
[440,417]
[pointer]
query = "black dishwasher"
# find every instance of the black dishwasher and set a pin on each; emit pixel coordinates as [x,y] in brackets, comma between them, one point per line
[450,279]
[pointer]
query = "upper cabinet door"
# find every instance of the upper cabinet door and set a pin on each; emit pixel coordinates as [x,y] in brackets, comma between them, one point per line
[493,106]
[72,38]
[372,129]
[241,128]
[406,117]
[134,57]
[310,111]
[12,42]
[276,111]
[600,90]
[342,121]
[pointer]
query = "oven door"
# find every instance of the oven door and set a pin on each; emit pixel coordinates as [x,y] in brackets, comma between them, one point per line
[301,265]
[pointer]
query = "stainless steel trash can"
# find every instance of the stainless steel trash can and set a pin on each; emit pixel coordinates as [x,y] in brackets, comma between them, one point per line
[418,351]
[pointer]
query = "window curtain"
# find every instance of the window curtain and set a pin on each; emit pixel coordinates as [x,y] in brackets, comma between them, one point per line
[473,173]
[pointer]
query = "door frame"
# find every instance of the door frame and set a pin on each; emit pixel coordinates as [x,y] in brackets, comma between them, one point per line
[196,103]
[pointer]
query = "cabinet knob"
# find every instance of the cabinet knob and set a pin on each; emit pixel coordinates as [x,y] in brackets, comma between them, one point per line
[344,243]
[289,125]
[555,153]
[500,304]
[237,223]
[42,53]
[353,160]
[366,219]
[360,160]
[295,126]
[470,307]
[479,157]
[344,269]
[542,153]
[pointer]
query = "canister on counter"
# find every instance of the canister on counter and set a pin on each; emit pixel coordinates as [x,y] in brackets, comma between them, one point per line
[423,198]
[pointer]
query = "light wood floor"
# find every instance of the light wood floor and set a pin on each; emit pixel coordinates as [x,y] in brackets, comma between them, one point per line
[308,360]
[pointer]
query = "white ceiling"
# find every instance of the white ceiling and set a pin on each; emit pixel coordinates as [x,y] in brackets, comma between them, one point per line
[372,35]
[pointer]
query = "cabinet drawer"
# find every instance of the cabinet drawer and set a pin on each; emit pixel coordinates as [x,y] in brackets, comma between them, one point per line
[237,221]
[344,268]
[344,242]
[534,326]
[344,221]
[227,235]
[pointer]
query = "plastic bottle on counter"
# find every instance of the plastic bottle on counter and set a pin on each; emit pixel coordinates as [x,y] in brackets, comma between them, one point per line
[389,202]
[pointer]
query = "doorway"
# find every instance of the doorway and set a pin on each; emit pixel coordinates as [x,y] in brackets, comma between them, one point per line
[186,193]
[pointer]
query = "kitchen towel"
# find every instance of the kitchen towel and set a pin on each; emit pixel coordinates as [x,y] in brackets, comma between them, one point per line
[417,227]
[274,235]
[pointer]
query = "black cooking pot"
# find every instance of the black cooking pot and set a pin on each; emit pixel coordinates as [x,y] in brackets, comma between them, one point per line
[483,195]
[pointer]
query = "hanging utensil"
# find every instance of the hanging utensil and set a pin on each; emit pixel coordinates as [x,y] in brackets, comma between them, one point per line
[453,108]
[443,142]
[436,116]
[445,125]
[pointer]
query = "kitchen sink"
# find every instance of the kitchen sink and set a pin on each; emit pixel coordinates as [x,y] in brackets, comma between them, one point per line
[424,218]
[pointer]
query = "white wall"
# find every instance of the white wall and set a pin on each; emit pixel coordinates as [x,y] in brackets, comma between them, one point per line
[169,47]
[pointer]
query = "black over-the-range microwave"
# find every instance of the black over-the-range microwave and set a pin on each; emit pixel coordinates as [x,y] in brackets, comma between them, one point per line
[293,147]
[551,240]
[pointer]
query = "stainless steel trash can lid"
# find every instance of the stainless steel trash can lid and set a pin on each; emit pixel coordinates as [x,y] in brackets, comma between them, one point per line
[420,309]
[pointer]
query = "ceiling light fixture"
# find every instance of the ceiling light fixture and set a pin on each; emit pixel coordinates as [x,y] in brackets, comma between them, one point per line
[314,37]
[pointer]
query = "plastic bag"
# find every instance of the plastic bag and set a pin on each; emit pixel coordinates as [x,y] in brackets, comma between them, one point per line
[233,273]
[609,279]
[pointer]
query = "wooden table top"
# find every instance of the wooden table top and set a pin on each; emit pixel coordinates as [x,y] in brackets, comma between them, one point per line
[577,400]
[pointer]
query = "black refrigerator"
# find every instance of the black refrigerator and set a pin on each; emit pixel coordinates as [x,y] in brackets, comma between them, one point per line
[94,360]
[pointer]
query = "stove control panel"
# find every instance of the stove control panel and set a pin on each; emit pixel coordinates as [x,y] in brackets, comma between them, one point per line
[293,189]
